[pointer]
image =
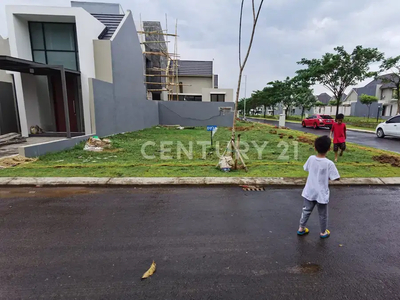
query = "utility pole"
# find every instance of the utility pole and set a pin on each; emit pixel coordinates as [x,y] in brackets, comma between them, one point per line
[245,95]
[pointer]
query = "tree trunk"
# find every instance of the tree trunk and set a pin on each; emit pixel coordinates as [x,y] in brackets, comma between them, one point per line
[302,112]
[286,112]
[273,111]
[369,108]
[265,111]
[339,98]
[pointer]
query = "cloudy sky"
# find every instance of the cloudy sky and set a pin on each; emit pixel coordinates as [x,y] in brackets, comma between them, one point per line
[288,30]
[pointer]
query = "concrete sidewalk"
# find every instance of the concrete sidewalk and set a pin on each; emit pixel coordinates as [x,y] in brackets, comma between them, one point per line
[166,181]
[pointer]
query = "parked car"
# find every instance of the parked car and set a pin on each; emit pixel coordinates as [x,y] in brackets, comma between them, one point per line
[390,127]
[317,121]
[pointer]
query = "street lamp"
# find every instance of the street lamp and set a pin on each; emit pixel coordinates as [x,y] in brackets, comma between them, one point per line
[377,115]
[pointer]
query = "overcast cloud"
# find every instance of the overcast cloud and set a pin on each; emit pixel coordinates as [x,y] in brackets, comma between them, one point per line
[288,30]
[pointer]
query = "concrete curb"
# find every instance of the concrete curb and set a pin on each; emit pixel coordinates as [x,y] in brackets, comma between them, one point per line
[176,181]
[361,130]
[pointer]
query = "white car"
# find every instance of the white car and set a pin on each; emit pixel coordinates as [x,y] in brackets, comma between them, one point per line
[390,127]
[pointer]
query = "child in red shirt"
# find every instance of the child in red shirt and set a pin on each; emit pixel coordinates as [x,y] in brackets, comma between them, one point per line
[339,136]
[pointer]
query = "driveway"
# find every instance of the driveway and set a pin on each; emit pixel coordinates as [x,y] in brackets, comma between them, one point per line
[208,243]
[361,138]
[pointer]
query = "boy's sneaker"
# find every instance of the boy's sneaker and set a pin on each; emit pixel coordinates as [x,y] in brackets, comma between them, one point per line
[304,232]
[325,235]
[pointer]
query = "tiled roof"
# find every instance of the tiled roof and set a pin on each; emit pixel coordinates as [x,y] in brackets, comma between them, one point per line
[195,68]
[389,85]
[369,89]
[324,98]
[111,21]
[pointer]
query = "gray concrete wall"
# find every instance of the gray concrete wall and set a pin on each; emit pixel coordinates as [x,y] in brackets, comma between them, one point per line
[37,150]
[121,106]
[360,110]
[194,113]
[8,113]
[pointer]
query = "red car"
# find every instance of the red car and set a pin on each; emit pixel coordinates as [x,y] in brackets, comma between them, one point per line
[317,121]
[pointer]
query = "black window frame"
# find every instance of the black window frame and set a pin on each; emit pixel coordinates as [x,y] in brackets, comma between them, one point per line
[45,50]
[219,96]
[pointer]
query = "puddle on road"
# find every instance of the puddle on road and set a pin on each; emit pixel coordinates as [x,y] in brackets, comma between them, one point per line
[308,268]
[59,192]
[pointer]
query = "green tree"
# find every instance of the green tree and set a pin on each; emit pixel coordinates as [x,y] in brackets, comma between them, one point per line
[337,71]
[302,94]
[368,100]
[282,92]
[392,64]
[305,100]
[333,102]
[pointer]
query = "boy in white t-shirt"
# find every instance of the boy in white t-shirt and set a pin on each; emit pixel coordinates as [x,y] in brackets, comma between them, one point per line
[316,192]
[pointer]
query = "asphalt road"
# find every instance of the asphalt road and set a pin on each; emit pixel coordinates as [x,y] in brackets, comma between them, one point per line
[208,243]
[366,139]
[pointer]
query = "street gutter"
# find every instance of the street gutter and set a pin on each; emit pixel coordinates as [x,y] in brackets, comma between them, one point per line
[183,181]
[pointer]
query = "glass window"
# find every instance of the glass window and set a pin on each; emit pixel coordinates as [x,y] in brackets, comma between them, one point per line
[36,36]
[217,97]
[59,36]
[54,44]
[66,59]
[394,94]
[394,120]
[39,56]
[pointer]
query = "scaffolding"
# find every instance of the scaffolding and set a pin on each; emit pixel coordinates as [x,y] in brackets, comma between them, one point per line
[161,75]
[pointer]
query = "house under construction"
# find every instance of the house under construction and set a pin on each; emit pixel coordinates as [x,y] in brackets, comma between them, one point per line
[169,78]
[161,65]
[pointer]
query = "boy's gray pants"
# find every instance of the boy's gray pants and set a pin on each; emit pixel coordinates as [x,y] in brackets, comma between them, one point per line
[308,207]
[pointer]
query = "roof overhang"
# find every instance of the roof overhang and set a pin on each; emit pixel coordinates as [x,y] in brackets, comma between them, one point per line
[14,64]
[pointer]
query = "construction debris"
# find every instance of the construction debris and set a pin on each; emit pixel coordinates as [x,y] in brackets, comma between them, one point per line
[14,161]
[36,130]
[11,138]
[96,144]
[226,163]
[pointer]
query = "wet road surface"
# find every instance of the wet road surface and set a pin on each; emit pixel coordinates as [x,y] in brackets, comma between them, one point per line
[208,243]
[361,138]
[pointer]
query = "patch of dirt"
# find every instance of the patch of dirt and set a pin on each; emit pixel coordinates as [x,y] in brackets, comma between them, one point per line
[394,161]
[290,137]
[273,132]
[14,161]
[305,140]
[244,128]
[307,268]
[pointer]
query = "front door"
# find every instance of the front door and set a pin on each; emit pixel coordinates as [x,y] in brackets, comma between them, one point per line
[72,90]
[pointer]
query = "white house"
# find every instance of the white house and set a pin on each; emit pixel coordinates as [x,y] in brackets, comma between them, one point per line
[197,82]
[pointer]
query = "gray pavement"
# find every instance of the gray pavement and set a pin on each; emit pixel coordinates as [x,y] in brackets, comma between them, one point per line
[208,243]
[361,138]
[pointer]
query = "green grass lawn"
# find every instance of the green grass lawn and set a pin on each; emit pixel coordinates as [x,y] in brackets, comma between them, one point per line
[125,158]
